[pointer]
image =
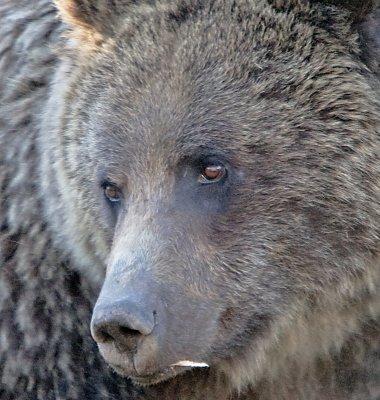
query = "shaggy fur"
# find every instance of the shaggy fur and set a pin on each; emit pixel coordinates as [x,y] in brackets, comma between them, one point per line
[278,263]
[46,351]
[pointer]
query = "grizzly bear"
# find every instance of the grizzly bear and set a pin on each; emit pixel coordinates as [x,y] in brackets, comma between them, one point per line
[190,200]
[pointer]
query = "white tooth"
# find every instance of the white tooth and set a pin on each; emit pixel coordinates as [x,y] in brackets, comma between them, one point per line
[190,364]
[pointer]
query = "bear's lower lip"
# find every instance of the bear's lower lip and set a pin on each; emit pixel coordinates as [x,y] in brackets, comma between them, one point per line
[157,377]
[151,379]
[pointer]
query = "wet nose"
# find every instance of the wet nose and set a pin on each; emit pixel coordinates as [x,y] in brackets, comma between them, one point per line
[124,323]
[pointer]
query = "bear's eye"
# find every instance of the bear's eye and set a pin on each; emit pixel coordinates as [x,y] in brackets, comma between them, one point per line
[112,192]
[212,173]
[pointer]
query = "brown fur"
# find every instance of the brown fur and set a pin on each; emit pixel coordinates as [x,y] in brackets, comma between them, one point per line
[272,277]
[45,305]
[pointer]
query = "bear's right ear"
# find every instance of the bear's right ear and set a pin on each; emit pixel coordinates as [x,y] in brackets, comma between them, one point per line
[92,20]
[359,9]
[365,15]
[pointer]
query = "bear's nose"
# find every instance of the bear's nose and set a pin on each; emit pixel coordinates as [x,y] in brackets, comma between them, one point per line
[124,323]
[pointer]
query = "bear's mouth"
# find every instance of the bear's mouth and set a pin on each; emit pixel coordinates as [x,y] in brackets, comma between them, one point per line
[154,378]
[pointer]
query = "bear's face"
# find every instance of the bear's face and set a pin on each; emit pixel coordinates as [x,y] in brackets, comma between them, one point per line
[218,164]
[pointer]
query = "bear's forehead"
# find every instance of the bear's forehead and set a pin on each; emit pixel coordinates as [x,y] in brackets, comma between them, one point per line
[202,86]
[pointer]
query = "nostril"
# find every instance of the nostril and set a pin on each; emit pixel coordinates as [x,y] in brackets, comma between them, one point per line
[125,331]
[102,336]
[122,337]
[108,333]
[122,323]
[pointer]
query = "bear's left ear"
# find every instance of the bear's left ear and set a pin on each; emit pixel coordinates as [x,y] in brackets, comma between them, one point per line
[359,9]
[365,16]
[92,20]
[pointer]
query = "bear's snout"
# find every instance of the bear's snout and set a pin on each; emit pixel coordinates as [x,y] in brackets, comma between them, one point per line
[143,328]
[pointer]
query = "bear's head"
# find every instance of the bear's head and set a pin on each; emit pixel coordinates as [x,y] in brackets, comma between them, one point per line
[217,161]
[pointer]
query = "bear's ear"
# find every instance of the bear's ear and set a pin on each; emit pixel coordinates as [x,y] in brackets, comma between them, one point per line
[369,33]
[92,20]
[359,9]
[365,16]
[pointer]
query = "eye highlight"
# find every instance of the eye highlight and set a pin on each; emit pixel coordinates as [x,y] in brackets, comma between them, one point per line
[112,192]
[212,173]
